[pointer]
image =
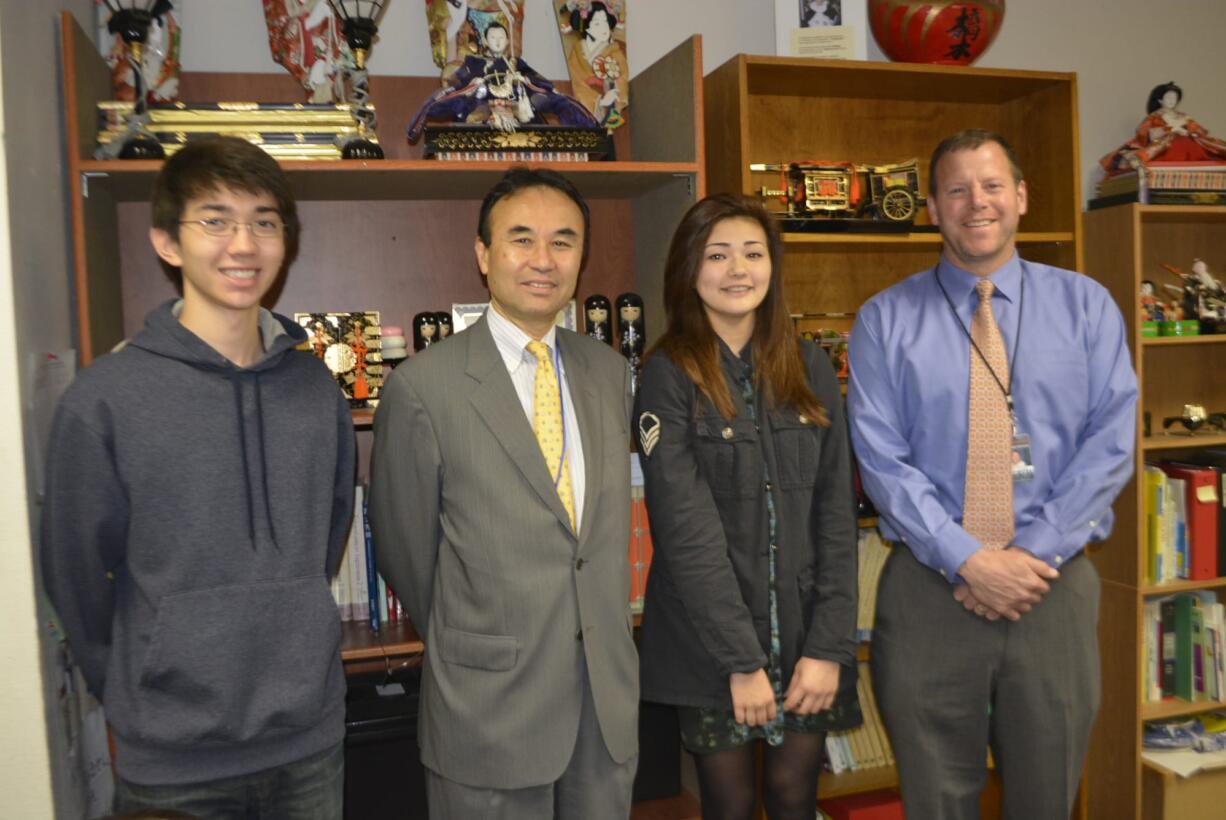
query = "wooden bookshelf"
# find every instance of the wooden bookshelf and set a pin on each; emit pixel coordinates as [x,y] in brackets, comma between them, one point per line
[382,234]
[393,647]
[1126,244]
[762,109]
[392,235]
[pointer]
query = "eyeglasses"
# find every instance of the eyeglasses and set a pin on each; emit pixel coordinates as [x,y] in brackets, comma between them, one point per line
[266,228]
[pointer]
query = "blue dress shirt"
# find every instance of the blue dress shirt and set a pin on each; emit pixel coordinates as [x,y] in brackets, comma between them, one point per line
[1074,394]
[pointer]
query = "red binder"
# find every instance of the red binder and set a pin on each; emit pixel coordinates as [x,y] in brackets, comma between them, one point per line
[880,805]
[1202,517]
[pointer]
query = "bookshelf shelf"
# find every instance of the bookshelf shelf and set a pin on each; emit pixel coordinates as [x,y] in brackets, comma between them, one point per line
[391,179]
[859,780]
[1181,442]
[1171,587]
[361,643]
[913,238]
[1163,341]
[1178,708]
[682,807]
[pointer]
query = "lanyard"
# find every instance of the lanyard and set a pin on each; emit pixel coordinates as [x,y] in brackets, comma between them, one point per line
[1006,389]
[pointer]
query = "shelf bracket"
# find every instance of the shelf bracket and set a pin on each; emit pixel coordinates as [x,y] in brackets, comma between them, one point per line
[85,177]
[689,184]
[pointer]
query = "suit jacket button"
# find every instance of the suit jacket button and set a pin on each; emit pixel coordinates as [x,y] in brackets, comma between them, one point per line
[579,634]
[579,564]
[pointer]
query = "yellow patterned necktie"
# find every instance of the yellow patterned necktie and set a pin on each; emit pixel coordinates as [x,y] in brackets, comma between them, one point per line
[987,510]
[547,425]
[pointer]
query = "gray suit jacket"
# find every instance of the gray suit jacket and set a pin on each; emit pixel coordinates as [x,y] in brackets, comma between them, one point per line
[470,532]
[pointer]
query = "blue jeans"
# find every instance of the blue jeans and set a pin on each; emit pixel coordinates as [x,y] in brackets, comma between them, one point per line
[309,789]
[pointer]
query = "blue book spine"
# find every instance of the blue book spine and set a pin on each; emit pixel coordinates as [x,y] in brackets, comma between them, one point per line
[372,578]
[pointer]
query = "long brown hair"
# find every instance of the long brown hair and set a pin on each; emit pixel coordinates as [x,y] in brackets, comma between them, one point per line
[691,342]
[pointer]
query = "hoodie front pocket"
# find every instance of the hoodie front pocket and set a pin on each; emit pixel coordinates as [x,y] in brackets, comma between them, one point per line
[231,663]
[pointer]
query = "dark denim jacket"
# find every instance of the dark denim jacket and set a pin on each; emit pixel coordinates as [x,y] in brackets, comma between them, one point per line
[707,608]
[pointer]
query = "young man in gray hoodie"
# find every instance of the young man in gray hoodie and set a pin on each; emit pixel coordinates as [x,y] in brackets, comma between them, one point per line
[199,491]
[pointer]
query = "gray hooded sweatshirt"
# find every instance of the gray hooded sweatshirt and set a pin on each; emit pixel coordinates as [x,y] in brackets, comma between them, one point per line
[194,513]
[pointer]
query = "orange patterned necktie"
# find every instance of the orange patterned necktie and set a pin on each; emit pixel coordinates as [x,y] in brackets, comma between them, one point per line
[547,425]
[987,511]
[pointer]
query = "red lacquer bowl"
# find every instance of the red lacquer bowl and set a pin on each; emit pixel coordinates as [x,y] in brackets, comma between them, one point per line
[935,31]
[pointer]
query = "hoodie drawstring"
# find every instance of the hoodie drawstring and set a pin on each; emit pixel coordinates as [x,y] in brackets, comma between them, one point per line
[259,419]
[235,380]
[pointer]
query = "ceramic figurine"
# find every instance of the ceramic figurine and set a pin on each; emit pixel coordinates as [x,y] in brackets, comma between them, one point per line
[1166,135]
[630,332]
[456,26]
[443,320]
[596,321]
[498,89]
[425,330]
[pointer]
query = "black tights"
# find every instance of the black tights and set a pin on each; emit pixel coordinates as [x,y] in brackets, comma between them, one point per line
[727,780]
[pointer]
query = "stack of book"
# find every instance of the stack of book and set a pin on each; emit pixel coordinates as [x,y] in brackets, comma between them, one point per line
[1193,183]
[359,590]
[865,747]
[1185,534]
[1184,648]
[284,130]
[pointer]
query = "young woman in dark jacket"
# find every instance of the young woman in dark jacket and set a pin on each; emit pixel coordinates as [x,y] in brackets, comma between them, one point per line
[750,617]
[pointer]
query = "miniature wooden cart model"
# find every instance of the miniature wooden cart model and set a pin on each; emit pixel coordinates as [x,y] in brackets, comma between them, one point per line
[844,190]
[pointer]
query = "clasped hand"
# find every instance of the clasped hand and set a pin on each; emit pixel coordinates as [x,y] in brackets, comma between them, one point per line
[1003,583]
[813,687]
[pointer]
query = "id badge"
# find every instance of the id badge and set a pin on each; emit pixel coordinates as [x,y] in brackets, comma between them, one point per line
[1023,466]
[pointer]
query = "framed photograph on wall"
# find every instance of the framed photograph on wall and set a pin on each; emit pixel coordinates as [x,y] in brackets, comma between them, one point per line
[827,29]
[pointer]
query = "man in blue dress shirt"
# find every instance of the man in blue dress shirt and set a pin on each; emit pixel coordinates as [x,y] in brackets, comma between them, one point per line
[986,628]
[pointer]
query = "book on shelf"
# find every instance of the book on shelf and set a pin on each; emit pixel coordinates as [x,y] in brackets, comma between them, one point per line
[356,552]
[1184,519]
[871,557]
[1201,508]
[1191,628]
[372,575]
[1159,561]
[343,586]
[360,592]
[866,746]
[1151,619]
[1215,459]
[873,716]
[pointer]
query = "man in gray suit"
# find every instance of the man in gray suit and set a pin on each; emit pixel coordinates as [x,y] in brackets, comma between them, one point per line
[500,506]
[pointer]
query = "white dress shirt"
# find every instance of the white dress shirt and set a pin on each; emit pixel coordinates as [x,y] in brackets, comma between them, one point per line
[512,344]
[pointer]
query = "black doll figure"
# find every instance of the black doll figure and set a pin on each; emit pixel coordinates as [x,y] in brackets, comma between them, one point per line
[443,320]
[630,330]
[425,330]
[596,321]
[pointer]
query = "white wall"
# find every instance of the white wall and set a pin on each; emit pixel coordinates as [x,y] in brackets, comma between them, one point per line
[653,27]
[1119,50]
[34,317]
